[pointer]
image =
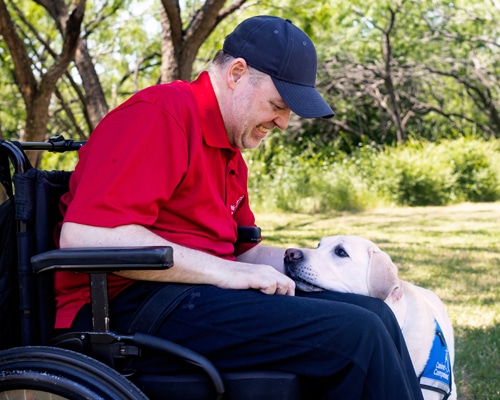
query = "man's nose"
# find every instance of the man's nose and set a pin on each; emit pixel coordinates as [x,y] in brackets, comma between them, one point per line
[281,121]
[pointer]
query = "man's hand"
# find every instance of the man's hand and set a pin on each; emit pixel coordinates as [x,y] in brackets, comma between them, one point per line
[257,276]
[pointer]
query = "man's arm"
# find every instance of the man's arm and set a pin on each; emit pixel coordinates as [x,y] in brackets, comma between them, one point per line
[264,255]
[251,271]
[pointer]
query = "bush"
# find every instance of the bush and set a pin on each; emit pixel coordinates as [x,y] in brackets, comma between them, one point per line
[301,186]
[476,166]
[342,188]
[414,174]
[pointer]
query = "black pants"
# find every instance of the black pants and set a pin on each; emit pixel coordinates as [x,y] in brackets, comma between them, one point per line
[349,344]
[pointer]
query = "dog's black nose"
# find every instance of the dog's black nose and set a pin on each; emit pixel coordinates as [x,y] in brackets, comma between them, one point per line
[293,255]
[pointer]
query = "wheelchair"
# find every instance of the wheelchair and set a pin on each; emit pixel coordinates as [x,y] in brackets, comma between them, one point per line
[35,363]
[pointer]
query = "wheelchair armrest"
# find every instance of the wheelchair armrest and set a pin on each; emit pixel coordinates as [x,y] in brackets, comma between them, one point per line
[249,234]
[104,259]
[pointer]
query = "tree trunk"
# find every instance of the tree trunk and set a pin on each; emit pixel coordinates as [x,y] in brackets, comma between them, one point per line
[393,95]
[169,70]
[180,46]
[94,100]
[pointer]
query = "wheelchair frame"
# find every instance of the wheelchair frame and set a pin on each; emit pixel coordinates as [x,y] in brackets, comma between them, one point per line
[89,365]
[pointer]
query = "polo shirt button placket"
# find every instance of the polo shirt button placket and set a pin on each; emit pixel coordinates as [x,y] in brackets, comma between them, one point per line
[229,185]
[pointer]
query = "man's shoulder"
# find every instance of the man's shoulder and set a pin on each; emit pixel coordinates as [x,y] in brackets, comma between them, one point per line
[166,93]
[176,99]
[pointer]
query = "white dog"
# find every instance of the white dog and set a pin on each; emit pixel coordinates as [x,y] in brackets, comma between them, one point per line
[352,264]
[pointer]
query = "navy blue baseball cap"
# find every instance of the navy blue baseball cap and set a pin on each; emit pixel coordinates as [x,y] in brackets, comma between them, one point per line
[278,48]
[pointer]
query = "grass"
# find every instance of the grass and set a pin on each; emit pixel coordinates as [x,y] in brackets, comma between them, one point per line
[453,250]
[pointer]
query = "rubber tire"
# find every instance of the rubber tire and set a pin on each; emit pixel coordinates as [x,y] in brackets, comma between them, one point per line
[47,371]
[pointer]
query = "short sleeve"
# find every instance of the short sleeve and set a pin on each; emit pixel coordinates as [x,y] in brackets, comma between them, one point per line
[131,165]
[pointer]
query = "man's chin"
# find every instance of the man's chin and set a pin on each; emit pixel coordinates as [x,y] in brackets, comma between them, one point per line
[251,144]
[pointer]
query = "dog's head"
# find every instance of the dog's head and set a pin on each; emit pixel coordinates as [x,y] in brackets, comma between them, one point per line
[348,264]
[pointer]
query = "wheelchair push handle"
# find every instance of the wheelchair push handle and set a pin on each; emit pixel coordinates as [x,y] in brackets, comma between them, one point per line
[56,144]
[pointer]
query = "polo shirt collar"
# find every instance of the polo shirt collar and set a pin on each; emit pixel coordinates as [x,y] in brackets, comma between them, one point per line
[212,124]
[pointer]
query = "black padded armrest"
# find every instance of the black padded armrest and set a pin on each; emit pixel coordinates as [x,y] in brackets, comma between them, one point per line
[104,259]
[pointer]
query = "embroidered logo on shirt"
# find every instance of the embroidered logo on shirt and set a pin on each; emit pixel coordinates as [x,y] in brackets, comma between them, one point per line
[236,205]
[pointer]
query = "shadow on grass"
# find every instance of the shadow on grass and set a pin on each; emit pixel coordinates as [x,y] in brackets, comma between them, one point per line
[477,363]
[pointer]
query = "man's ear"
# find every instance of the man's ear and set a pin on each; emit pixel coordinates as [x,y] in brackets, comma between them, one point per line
[235,72]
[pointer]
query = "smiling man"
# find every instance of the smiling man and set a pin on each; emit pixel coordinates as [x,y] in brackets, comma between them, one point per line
[165,168]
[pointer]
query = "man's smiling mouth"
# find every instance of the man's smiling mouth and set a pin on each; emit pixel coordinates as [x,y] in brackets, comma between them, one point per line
[262,129]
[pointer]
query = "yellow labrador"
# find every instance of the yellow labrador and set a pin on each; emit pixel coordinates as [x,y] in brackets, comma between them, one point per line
[356,265]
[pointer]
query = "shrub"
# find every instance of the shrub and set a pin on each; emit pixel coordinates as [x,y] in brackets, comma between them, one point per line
[304,186]
[476,166]
[342,188]
[414,174]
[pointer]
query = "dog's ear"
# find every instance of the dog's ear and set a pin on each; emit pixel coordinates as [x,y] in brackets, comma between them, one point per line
[382,274]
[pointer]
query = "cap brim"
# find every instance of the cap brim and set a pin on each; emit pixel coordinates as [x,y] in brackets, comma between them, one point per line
[305,101]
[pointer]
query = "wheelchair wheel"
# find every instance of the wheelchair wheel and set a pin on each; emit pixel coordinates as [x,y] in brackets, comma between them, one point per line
[49,373]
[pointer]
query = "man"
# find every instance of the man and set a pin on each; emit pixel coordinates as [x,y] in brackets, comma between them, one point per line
[165,168]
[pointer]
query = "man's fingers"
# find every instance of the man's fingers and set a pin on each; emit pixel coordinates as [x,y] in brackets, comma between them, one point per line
[283,288]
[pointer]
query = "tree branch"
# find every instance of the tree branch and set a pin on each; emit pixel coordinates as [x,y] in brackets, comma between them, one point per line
[71,37]
[22,72]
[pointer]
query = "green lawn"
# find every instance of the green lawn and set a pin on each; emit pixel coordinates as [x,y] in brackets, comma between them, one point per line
[452,250]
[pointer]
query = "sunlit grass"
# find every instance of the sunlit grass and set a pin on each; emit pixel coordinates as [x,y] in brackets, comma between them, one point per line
[454,251]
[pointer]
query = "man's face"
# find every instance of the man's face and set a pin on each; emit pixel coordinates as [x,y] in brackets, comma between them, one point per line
[254,107]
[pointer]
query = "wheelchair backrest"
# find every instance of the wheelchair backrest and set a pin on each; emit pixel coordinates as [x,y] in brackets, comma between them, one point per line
[10,328]
[28,217]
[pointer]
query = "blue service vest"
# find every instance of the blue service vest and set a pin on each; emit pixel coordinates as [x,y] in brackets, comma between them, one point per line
[437,372]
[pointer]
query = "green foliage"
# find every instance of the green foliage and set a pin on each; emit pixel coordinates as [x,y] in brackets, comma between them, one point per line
[59,161]
[477,169]
[299,187]
[443,67]
[415,174]
[342,188]
[456,40]
[125,46]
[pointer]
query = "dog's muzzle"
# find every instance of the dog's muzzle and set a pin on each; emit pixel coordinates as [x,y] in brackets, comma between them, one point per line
[292,260]
[293,268]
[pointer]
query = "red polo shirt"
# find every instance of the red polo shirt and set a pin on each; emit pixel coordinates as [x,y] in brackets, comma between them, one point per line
[161,160]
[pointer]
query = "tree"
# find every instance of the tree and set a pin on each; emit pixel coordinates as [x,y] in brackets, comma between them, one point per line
[93,99]
[37,93]
[470,57]
[391,70]
[180,45]
[425,68]
[62,89]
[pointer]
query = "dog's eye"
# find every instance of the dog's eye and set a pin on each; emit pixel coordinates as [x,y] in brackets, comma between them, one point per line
[340,252]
